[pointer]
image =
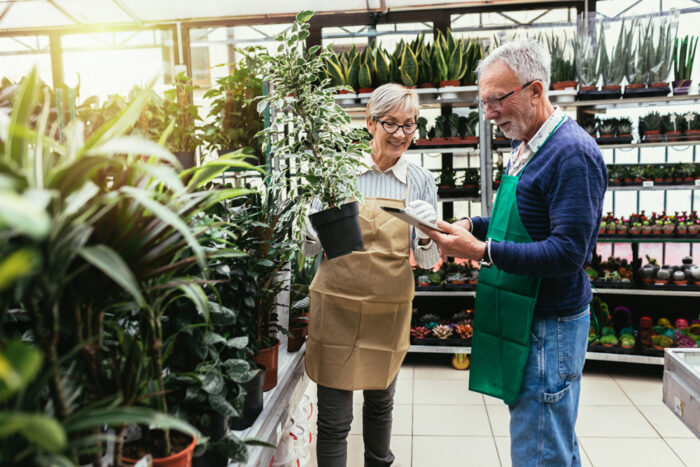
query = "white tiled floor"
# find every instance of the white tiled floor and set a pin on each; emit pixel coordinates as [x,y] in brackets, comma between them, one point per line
[438,422]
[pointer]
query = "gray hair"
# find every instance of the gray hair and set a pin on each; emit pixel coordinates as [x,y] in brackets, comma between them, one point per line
[529,60]
[391,97]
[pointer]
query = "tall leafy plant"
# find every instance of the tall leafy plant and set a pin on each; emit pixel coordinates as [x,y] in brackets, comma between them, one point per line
[326,152]
[683,56]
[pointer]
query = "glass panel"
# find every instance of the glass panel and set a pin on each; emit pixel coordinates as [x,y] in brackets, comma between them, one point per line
[625,203]
[114,63]
[680,153]
[344,38]
[678,201]
[655,154]
[651,201]
[389,35]
[18,55]
[626,156]
[654,250]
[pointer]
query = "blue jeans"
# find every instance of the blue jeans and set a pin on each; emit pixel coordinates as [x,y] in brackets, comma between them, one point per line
[543,417]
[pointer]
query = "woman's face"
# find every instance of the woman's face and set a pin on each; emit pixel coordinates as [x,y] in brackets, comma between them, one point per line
[391,145]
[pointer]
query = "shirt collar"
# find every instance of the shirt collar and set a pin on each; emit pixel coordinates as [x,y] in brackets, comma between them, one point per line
[545,130]
[398,170]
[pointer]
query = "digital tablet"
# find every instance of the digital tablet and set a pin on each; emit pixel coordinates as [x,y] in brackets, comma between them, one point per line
[410,218]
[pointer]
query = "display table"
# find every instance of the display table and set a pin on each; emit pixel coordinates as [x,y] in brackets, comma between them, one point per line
[279,404]
[682,385]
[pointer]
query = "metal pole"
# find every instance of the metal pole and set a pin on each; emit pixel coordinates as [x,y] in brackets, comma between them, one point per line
[485,159]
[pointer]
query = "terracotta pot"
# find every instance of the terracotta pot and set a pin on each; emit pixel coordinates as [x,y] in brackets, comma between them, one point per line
[587,88]
[179,459]
[344,91]
[366,90]
[652,136]
[674,135]
[564,85]
[426,85]
[634,86]
[269,358]
[658,84]
[692,134]
[297,338]
[612,87]
[449,82]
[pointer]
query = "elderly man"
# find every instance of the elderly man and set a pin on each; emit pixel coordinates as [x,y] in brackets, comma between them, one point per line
[532,301]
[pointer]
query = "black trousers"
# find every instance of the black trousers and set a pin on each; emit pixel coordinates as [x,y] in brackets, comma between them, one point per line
[335,417]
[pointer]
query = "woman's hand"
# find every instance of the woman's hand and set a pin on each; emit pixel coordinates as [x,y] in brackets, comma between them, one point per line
[457,242]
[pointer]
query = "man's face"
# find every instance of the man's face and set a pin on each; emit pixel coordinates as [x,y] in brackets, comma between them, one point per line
[516,114]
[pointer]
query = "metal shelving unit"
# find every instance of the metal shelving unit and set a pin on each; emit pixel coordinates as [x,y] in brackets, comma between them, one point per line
[648,292]
[633,102]
[627,358]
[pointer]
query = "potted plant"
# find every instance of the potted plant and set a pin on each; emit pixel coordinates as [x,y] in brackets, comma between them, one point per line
[650,127]
[471,181]
[449,56]
[683,57]
[473,52]
[441,129]
[693,132]
[344,71]
[422,131]
[606,129]
[679,125]
[589,126]
[234,120]
[636,228]
[107,278]
[586,56]
[446,179]
[612,68]
[660,55]
[563,67]
[179,129]
[452,127]
[328,154]
[624,130]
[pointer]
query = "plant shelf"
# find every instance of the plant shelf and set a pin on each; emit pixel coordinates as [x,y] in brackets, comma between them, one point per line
[627,358]
[634,102]
[657,292]
[653,188]
[649,145]
[439,349]
[647,240]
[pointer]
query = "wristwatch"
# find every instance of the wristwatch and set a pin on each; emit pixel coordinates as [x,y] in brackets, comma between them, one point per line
[486,261]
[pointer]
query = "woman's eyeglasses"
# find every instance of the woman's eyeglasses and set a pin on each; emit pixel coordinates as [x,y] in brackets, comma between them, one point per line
[391,127]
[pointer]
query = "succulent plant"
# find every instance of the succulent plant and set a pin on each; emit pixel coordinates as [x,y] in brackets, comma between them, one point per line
[624,126]
[429,318]
[461,317]
[442,331]
[464,331]
[419,332]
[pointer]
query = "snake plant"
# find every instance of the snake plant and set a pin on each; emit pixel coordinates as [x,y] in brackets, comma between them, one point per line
[449,57]
[563,67]
[683,57]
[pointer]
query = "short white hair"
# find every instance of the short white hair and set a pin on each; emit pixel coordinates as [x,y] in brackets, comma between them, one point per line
[392,97]
[529,60]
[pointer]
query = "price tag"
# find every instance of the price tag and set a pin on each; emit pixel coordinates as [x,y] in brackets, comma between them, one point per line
[648,183]
[697,182]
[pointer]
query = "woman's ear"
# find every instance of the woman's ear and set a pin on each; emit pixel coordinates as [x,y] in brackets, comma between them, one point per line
[371,126]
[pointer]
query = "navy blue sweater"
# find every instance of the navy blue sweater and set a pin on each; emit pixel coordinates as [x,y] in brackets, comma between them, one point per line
[560,201]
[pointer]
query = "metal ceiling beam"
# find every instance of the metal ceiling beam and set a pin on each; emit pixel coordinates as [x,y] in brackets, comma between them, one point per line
[4,12]
[128,12]
[64,12]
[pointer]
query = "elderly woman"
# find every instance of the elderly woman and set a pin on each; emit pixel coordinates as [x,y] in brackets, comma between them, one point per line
[361,303]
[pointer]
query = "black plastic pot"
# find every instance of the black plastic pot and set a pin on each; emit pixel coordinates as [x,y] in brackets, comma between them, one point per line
[215,430]
[253,402]
[338,229]
[186,158]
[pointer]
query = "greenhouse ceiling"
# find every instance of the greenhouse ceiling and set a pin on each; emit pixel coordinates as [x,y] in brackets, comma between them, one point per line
[34,15]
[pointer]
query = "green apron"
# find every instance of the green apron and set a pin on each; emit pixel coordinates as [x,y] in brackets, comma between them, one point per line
[504,306]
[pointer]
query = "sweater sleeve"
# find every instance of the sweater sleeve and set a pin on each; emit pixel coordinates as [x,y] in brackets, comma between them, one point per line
[480,225]
[574,198]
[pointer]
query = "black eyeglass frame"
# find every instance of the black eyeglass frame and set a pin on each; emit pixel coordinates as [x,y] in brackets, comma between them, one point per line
[403,127]
[483,103]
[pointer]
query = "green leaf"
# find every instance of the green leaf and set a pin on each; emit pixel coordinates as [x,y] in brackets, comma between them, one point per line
[23,215]
[19,364]
[221,406]
[167,216]
[233,447]
[133,145]
[113,266]
[117,416]
[16,265]
[40,429]
[304,16]
[238,342]
[213,382]
[365,77]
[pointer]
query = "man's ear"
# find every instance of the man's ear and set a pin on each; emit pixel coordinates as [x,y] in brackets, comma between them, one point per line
[537,89]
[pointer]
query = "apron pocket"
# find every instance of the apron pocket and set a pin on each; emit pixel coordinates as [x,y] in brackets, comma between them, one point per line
[572,341]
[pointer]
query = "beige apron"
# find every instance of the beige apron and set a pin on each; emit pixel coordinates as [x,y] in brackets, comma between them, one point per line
[360,310]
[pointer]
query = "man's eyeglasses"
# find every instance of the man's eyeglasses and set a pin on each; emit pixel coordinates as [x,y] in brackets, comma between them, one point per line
[495,103]
[391,127]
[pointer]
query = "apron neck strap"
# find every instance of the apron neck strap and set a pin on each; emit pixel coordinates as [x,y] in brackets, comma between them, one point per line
[542,145]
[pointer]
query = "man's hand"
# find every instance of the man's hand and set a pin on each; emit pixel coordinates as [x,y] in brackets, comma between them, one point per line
[457,242]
